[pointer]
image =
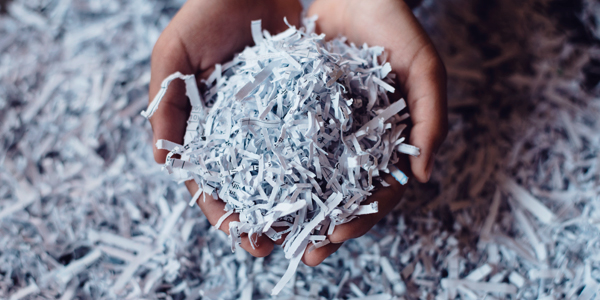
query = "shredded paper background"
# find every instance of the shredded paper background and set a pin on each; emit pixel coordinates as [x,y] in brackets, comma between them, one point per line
[512,210]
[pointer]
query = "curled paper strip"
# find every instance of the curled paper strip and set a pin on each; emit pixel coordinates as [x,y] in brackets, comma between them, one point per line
[293,131]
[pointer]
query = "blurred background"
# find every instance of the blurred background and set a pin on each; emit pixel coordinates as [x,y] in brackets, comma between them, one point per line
[512,210]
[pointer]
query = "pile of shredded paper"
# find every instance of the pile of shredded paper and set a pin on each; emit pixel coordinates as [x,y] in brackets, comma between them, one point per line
[512,209]
[297,131]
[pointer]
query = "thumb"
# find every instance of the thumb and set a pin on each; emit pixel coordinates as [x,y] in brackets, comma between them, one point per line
[425,88]
[169,121]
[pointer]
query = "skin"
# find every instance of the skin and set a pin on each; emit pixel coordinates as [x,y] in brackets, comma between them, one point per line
[207,32]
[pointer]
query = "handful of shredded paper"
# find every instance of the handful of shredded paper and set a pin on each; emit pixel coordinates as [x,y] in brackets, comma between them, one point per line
[512,210]
[291,134]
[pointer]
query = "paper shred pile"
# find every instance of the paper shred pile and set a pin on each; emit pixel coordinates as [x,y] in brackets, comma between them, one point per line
[512,210]
[297,131]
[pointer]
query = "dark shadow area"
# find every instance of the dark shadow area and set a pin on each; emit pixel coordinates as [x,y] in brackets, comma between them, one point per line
[500,56]
[4,6]
[521,90]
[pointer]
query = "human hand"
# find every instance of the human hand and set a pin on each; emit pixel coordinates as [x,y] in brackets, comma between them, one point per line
[421,79]
[202,34]
[222,37]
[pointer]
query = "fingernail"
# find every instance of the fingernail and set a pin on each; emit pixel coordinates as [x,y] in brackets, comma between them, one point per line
[429,167]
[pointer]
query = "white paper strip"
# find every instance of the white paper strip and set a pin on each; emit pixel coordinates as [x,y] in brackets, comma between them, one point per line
[501,288]
[533,205]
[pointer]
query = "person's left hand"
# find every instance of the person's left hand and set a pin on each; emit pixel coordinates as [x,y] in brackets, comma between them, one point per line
[421,79]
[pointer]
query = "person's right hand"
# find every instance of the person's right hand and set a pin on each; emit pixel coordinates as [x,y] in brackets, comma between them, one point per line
[202,34]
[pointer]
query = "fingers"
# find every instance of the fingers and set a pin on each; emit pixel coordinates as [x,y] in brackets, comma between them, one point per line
[169,121]
[425,87]
[387,198]
[283,236]
[213,209]
[422,80]
[317,256]
[202,34]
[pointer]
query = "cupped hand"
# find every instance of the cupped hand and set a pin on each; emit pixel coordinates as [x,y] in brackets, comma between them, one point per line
[202,34]
[421,78]
[206,32]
